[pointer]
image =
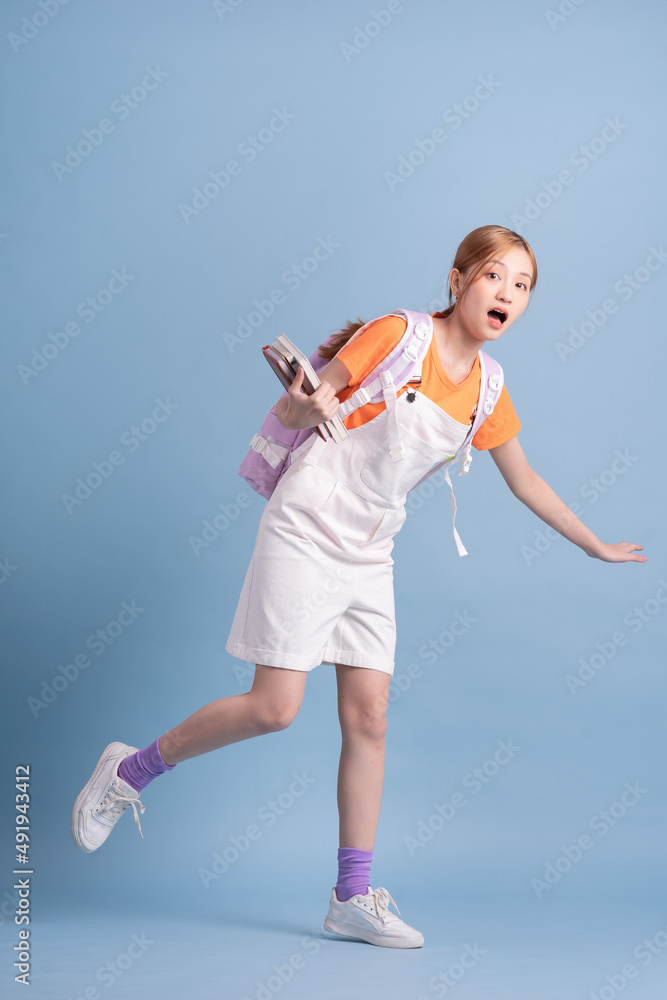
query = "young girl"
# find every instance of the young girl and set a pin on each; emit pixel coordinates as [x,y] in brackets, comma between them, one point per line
[329,527]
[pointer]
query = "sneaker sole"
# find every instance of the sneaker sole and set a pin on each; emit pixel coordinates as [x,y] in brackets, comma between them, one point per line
[108,752]
[369,936]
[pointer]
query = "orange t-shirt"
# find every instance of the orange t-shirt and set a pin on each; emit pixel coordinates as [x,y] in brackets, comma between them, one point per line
[375,343]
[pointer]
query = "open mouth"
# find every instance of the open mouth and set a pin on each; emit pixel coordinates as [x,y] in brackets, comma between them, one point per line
[498,314]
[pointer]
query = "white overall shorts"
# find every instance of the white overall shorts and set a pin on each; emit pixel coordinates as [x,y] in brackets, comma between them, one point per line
[319,587]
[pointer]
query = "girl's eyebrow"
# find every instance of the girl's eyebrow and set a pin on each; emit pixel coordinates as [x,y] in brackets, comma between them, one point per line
[505,265]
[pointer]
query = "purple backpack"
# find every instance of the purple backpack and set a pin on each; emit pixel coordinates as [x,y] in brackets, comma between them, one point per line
[270,452]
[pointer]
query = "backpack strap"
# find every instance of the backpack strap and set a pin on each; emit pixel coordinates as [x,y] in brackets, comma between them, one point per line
[391,374]
[490,387]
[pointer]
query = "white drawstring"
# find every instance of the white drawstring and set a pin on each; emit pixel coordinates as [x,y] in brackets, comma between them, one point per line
[452,500]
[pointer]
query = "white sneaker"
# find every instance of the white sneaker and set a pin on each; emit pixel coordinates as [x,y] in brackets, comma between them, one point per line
[103,800]
[368,917]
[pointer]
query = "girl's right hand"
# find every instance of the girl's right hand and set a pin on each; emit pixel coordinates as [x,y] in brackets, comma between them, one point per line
[304,411]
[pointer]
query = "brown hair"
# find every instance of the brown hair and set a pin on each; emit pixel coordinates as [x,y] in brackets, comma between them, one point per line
[473,253]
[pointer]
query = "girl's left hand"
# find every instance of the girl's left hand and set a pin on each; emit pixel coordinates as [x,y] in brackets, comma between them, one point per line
[619,552]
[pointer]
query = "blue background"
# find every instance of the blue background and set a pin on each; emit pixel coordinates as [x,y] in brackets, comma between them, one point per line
[356,100]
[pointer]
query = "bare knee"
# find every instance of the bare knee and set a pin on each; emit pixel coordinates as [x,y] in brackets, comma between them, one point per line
[274,716]
[276,696]
[366,721]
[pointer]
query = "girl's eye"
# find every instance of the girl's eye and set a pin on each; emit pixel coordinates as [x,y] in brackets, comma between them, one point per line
[490,274]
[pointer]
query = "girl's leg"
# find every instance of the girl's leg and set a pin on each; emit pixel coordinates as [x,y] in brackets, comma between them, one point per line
[363,695]
[271,704]
[355,912]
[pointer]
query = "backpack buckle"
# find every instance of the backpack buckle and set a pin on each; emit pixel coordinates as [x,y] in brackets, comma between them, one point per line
[421,329]
[410,352]
[494,382]
[488,406]
[273,452]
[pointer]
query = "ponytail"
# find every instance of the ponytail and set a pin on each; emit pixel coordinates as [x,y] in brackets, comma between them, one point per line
[329,349]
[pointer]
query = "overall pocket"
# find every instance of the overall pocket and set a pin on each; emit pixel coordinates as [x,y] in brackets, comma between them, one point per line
[429,439]
[392,480]
[306,488]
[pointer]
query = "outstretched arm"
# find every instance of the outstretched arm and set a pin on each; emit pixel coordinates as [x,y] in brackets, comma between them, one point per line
[538,496]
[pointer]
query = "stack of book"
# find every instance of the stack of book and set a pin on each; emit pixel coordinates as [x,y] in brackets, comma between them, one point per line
[285,358]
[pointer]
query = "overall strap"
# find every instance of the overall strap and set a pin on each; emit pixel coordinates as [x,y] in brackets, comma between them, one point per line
[396,446]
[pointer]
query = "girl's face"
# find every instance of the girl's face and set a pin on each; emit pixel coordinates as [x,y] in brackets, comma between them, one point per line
[503,287]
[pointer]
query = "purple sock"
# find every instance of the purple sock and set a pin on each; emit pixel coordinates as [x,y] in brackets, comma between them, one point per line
[139,769]
[354,872]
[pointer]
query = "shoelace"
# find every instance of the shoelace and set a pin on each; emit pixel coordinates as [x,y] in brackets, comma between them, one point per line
[117,801]
[381,899]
